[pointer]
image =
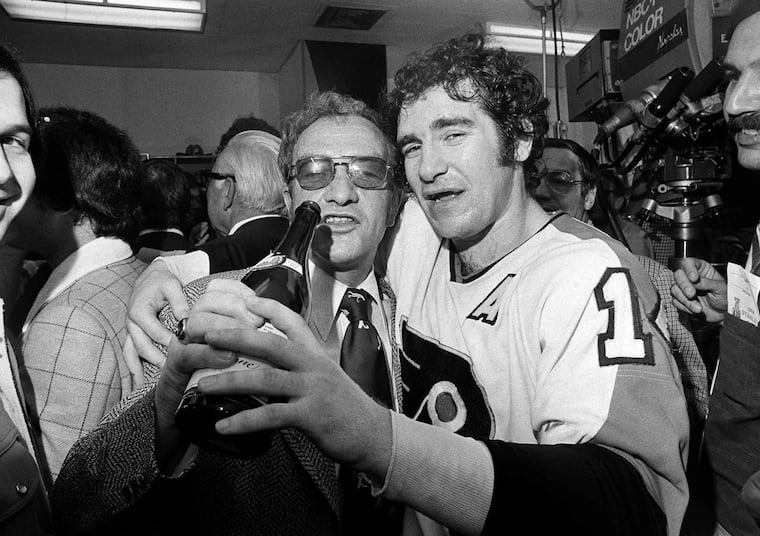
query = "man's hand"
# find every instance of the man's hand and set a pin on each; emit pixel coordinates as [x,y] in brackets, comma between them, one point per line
[699,288]
[154,289]
[222,306]
[322,401]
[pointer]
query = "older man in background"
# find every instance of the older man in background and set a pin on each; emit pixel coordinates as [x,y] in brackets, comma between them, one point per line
[334,153]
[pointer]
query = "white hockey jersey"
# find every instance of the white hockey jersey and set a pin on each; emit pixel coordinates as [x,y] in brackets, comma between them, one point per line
[557,342]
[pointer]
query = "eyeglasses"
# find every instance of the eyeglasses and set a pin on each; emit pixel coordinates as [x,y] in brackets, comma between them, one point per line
[558,181]
[207,176]
[315,172]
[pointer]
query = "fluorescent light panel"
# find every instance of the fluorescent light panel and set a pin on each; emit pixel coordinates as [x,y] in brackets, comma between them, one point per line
[158,16]
[528,40]
[182,5]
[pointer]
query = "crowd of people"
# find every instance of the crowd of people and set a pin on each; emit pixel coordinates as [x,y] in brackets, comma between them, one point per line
[524,370]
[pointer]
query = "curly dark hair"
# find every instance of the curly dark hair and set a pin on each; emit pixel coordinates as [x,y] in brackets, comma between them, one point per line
[470,71]
[88,165]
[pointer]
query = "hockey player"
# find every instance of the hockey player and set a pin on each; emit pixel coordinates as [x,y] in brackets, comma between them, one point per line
[540,395]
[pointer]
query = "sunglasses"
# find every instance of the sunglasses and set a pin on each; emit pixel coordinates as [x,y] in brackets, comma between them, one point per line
[316,172]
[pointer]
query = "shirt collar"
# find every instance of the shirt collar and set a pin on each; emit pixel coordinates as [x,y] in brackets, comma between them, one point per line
[239,224]
[172,230]
[90,257]
[325,289]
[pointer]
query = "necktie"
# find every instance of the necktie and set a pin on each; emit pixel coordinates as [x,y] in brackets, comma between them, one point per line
[361,354]
[362,357]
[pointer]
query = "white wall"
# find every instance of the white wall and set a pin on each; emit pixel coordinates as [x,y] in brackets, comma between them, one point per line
[163,110]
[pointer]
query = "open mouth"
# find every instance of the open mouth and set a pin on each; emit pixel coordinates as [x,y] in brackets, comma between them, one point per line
[443,195]
[331,219]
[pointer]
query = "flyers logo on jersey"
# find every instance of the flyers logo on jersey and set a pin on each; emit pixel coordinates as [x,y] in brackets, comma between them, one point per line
[488,310]
[440,388]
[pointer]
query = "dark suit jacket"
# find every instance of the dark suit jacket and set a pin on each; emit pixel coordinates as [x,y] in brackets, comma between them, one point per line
[733,424]
[110,480]
[163,241]
[250,243]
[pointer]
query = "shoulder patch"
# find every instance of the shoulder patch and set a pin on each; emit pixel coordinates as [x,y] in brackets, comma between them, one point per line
[624,342]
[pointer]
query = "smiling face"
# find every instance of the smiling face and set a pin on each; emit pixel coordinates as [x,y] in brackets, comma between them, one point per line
[741,105]
[452,158]
[16,170]
[353,219]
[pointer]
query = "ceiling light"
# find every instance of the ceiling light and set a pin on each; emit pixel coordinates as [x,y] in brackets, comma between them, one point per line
[528,40]
[187,15]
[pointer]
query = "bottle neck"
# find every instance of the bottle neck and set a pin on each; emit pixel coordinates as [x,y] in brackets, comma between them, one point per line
[295,243]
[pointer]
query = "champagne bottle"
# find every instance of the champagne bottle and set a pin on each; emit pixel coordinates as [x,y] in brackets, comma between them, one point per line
[282,275]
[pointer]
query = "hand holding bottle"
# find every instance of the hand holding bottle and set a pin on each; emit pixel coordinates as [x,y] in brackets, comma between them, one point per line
[154,289]
[221,306]
[282,275]
[316,395]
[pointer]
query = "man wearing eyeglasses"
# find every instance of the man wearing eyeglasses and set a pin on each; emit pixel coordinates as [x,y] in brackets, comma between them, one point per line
[334,153]
[533,373]
[561,181]
[244,204]
[569,180]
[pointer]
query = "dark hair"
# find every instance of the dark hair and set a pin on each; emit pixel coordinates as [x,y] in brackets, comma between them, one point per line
[587,165]
[165,196]
[330,104]
[89,166]
[10,65]
[241,124]
[471,72]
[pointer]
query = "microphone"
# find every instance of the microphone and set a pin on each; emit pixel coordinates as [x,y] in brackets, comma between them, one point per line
[629,111]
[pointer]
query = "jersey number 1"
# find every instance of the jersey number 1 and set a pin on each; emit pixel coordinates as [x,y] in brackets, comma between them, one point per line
[624,341]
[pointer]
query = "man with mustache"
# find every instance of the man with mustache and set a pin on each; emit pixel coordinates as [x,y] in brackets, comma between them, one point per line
[733,424]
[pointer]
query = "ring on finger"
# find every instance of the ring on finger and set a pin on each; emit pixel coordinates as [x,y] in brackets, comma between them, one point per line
[181,331]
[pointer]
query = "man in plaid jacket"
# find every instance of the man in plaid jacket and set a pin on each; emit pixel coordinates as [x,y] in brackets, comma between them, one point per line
[80,218]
